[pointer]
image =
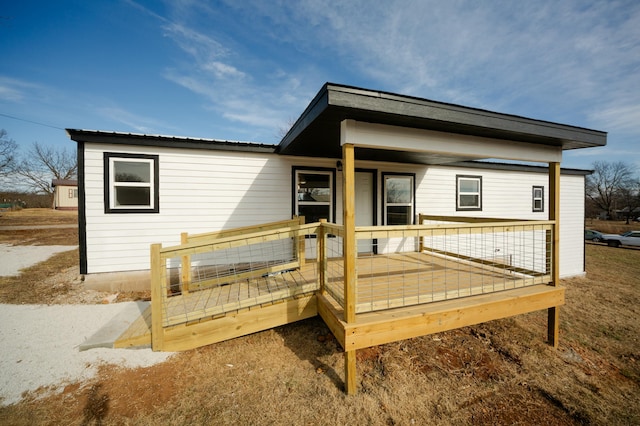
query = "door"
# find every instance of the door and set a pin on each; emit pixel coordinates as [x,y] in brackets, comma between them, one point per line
[365,206]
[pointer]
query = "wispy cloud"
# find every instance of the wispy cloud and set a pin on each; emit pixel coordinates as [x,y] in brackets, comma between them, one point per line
[136,122]
[14,90]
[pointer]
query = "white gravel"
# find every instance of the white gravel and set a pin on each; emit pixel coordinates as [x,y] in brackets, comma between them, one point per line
[40,346]
[39,343]
[15,258]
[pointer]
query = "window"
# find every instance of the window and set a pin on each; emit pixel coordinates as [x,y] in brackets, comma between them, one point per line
[131,183]
[398,198]
[314,196]
[469,193]
[538,198]
[73,193]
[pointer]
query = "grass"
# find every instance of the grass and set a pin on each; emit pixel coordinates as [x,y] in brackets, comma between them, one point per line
[611,226]
[29,217]
[500,372]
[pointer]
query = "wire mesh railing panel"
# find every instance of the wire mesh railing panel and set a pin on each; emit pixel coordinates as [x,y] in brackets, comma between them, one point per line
[242,274]
[334,284]
[454,261]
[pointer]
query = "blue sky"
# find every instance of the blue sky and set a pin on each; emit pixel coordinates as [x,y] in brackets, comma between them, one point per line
[244,69]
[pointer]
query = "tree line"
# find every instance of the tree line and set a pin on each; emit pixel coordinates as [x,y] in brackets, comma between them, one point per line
[23,175]
[613,191]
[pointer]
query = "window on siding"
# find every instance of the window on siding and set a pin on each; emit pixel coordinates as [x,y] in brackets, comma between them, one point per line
[131,183]
[469,193]
[314,195]
[538,198]
[398,193]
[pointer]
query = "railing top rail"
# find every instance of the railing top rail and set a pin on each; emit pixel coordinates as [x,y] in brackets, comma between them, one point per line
[242,230]
[469,219]
[293,230]
[454,226]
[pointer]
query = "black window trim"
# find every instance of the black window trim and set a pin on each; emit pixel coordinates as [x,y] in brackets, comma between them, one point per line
[294,187]
[383,176]
[107,183]
[533,199]
[468,209]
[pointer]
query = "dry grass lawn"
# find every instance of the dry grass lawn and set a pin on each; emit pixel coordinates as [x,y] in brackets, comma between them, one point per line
[500,372]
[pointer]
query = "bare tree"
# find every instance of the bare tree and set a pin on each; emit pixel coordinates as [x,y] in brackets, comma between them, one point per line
[8,149]
[629,199]
[42,164]
[607,183]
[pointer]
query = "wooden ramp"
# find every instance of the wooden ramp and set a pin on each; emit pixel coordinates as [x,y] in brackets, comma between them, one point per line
[223,312]
[138,334]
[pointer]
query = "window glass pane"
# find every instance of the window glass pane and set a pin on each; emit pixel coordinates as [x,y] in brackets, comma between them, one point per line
[468,185]
[399,215]
[399,189]
[537,193]
[537,205]
[132,171]
[469,200]
[136,196]
[313,213]
[314,187]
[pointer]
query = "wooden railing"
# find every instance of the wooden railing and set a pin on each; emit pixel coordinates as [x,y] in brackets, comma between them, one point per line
[433,239]
[163,291]
[227,239]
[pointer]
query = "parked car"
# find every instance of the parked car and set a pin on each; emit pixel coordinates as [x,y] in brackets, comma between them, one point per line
[594,236]
[631,238]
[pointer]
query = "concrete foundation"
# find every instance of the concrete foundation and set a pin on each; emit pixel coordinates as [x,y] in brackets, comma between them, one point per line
[119,281]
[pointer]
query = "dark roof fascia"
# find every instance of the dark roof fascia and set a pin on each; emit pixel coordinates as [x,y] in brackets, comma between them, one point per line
[369,105]
[317,105]
[96,136]
[487,165]
[458,114]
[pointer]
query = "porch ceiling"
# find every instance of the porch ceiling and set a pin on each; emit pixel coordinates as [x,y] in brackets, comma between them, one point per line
[317,132]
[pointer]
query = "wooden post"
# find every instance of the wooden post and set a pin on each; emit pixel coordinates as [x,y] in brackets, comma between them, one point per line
[322,256]
[186,265]
[553,314]
[421,238]
[350,257]
[158,293]
[301,247]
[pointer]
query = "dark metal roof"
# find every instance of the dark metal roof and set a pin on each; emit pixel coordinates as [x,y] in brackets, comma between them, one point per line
[97,136]
[63,182]
[317,132]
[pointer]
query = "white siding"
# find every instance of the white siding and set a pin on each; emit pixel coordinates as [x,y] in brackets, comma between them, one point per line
[200,191]
[203,191]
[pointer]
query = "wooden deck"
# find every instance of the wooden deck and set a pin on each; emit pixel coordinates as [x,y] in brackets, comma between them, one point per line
[384,282]
[406,279]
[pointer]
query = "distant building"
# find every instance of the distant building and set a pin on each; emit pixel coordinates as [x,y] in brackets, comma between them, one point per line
[65,194]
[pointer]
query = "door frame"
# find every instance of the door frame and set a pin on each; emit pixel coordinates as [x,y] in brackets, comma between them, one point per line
[374,198]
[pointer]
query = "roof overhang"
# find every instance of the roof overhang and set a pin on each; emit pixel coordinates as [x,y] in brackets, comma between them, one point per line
[317,133]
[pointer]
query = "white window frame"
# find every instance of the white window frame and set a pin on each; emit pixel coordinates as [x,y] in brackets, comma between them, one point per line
[411,204]
[539,198]
[459,194]
[110,160]
[330,203]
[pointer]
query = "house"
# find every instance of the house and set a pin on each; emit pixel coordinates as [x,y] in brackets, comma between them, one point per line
[65,194]
[391,175]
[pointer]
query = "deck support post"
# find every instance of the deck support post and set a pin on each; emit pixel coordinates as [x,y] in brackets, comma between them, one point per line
[553,314]
[350,255]
[158,276]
